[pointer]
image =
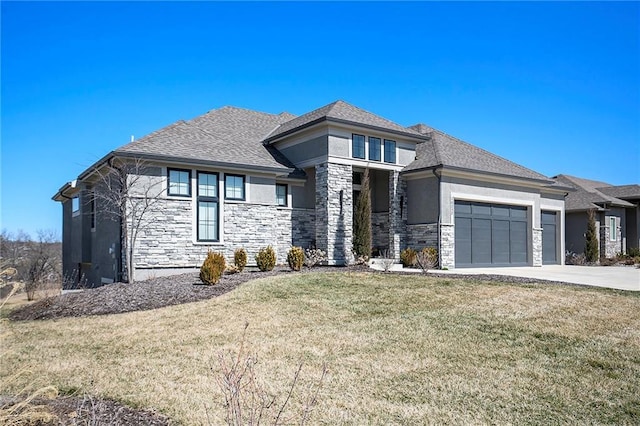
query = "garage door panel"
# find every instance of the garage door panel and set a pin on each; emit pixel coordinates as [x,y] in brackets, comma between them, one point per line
[481,241]
[549,235]
[500,241]
[463,240]
[518,242]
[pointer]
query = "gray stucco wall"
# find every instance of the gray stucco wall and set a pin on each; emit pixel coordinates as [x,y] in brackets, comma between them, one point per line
[575,229]
[262,190]
[632,223]
[406,155]
[422,200]
[305,196]
[307,150]
[339,145]
[379,184]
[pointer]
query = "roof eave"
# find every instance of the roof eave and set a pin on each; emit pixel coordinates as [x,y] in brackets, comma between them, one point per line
[548,182]
[271,139]
[197,162]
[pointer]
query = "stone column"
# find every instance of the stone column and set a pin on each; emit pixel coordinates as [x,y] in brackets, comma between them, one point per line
[447,246]
[334,212]
[537,246]
[397,213]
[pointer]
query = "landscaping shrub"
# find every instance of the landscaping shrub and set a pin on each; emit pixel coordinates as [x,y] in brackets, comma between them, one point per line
[591,251]
[633,252]
[295,258]
[212,268]
[572,258]
[427,258]
[313,257]
[240,259]
[266,259]
[408,257]
[231,269]
[362,236]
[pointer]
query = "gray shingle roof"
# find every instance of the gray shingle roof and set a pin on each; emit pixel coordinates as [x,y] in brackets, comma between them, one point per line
[624,192]
[343,112]
[226,135]
[445,150]
[589,194]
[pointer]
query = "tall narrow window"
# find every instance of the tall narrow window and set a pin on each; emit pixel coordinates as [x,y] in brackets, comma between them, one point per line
[613,229]
[358,146]
[374,149]
[179,182]
[75,205]
[281,195]
[389,151]
[207,206]
[234,187]
[92,209]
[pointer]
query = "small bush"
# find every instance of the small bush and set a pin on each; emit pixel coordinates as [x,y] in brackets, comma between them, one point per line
[607,261]
[572,258]
[408,257]
[212,268]
[633,252]
[240,259]
[266,259]
[427,258]
[231,269]
[295,258]
[313,257]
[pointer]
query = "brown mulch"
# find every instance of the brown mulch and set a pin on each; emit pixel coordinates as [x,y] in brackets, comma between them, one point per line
[74,410]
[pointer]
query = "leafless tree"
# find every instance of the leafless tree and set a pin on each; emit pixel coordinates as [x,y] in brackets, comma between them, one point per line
[127,191]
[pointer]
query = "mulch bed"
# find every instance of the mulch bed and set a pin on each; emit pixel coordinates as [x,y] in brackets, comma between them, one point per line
[73,411]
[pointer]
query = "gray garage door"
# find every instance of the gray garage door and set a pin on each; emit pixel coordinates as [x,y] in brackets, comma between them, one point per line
[490,234]
[549,238]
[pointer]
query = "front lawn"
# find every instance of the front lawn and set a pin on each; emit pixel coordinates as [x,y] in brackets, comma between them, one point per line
[399,350]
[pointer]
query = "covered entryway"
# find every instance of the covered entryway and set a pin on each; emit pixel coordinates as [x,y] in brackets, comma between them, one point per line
[490,234]
[548,219]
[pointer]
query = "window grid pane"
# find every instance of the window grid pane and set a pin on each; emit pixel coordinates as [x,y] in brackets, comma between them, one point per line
[389,151]
[208,220]
[179,182]
[358,146]
[612,229]
[207,185]
[234,187]
[374,149]
[281,195]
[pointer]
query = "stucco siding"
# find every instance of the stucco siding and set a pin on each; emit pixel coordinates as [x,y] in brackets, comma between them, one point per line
[304,151]
[262,190]
[422,200]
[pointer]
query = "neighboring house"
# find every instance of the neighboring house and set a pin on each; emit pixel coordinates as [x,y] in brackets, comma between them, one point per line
[236,178]
[617,215]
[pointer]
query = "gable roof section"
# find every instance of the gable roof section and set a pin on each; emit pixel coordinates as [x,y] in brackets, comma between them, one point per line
[225,136]
[624,192]
[589,194]
[442,150]
[341,112]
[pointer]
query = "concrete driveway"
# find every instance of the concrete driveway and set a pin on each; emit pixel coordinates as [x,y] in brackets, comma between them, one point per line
[617,277]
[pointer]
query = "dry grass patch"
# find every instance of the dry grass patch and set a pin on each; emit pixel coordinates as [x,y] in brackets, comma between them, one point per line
[400,350]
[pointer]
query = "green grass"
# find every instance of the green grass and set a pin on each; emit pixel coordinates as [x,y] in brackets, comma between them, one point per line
[400,350]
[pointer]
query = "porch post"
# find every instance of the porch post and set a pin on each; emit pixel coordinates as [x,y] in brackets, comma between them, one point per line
[397,213]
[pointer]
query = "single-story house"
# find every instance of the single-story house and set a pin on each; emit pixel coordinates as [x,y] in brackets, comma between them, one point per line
[236,178]
[617,215]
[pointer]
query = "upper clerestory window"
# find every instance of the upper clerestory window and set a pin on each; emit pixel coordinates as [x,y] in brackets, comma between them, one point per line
[357,146]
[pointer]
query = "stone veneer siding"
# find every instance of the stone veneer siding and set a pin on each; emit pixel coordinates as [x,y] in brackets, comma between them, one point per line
[168,241]
[380,230]
[334,212]
[537,246]
[424,235]
[397,213]
[610,248]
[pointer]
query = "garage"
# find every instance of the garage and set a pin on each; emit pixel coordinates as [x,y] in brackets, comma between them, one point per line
[490,234]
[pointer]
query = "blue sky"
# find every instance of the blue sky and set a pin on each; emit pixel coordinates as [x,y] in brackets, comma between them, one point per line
[552,86]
